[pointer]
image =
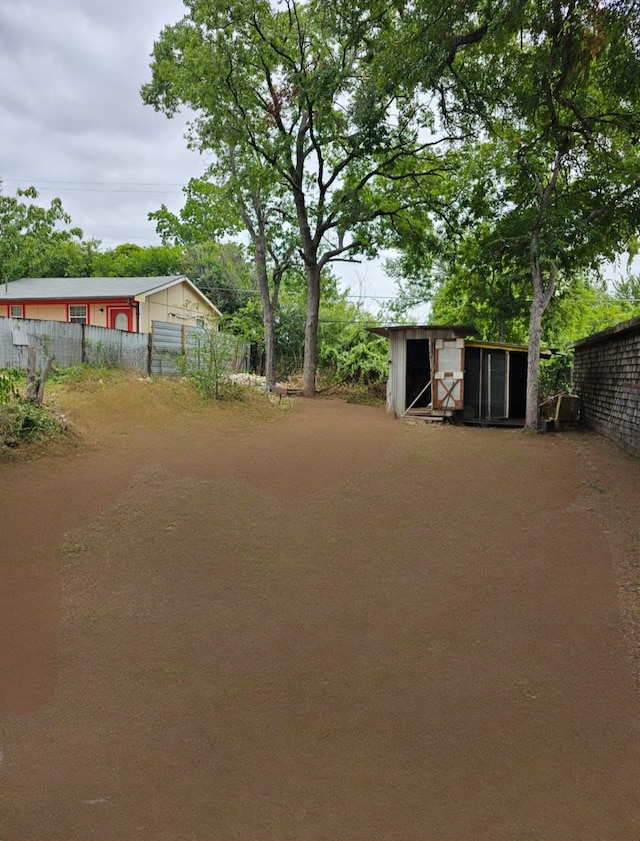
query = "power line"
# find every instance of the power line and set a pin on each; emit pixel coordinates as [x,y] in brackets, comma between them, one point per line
[5,182]
[141,188]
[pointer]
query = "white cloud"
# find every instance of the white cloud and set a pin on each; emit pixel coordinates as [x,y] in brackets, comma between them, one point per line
[74,125]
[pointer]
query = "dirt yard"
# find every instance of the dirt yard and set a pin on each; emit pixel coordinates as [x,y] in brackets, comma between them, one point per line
[317,624]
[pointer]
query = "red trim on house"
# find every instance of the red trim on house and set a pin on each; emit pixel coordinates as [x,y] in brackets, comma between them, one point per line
[108,304]
[113,312]
[57,302]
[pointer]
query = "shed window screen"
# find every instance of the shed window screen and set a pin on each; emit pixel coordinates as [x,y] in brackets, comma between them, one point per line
[78,313]
[15,311]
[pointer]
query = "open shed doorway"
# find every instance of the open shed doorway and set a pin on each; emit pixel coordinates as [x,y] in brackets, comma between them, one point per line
[418,374]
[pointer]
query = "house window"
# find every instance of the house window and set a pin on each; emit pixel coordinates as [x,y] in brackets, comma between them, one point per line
[16,311]
[78,313]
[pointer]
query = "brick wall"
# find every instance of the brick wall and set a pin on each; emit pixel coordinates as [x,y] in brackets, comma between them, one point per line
[606,375]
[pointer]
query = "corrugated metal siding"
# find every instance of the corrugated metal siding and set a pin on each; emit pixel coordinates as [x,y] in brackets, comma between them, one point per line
[398,371]
[116,348]
[397,384]
[170,341]
[167,343]
[58,339]
[70,344]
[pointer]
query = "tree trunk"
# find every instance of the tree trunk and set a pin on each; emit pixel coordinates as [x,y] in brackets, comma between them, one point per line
[268,307]
[269,346]
[533,362]
[35,381]
[541,297]
[310,364]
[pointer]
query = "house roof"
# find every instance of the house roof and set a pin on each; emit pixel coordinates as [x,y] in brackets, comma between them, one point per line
[89,288]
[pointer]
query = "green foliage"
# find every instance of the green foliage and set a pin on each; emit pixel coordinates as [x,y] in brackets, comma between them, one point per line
[130,260]
[545,101]
[37,241]
[21,420]
[348,352]
[103,354]
[305,138]
[221,271]
[555,375]
[9,379]
[247,324]
[207,363]
[84,375]
[289,337]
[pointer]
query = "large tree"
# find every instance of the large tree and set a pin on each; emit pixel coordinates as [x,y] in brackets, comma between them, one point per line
[291,89]
[238,193]
[552,92]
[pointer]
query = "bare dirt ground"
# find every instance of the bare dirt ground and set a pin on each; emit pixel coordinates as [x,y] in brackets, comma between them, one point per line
[317,624]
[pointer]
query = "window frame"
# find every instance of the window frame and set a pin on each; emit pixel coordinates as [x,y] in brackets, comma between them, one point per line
[76,318]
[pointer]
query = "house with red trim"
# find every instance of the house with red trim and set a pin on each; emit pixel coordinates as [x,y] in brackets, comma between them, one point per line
[123,303]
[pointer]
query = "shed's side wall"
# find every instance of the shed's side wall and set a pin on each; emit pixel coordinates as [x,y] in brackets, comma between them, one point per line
[606,375]
[397,383]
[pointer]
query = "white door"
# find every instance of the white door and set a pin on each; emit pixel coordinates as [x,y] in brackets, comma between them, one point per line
[448,379]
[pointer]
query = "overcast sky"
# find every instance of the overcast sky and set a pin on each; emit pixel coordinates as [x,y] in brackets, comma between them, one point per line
[73,125]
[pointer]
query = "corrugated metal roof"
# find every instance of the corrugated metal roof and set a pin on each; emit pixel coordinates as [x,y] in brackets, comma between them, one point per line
[63,288]
[458,329]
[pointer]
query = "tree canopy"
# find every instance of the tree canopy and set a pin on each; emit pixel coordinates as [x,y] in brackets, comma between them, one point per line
[548,188]
[289,92]
[37,241]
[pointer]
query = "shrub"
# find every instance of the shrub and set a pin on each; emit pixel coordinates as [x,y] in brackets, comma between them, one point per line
[8,382]
[208,364]
[555,374]
[21,421]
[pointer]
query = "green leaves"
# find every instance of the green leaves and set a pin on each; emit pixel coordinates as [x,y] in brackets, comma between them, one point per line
[35,241]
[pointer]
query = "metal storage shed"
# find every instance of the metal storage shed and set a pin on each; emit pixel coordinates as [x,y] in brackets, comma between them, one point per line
[435,372]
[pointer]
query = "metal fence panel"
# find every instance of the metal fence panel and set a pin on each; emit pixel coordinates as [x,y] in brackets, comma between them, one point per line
[71,344]
[171,341]
[59,339]
[104,347]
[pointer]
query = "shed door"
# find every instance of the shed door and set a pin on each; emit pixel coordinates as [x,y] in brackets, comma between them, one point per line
[448,379]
